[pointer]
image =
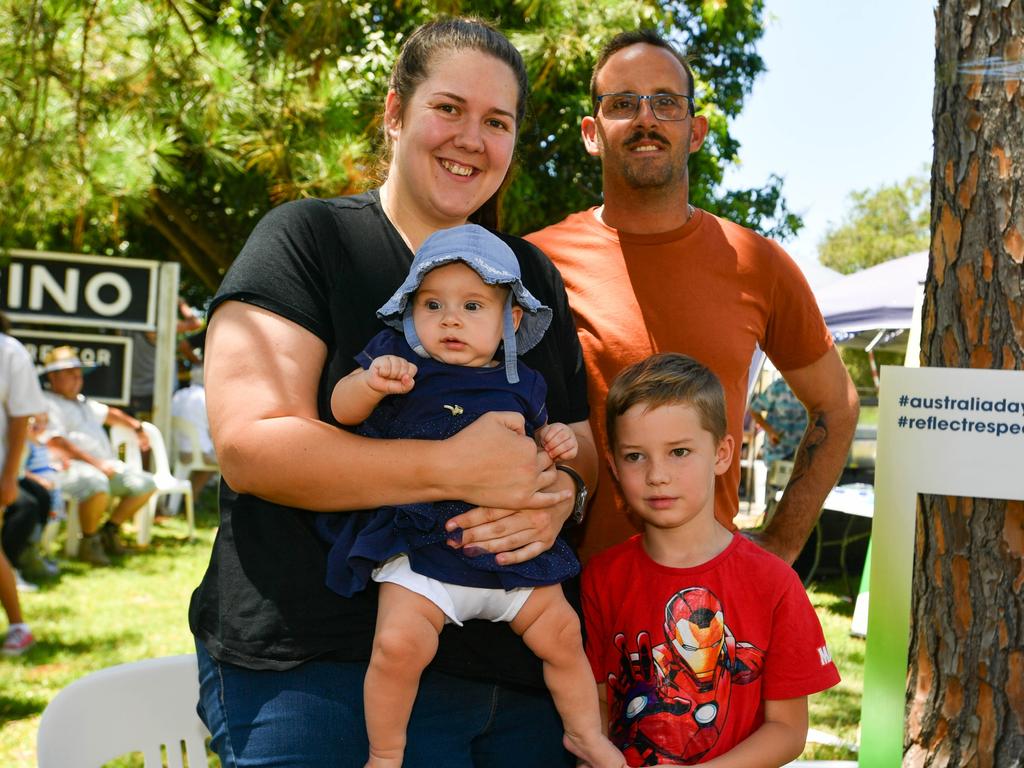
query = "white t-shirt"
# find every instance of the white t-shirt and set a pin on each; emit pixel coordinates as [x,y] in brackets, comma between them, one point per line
[20,393]
[81,422]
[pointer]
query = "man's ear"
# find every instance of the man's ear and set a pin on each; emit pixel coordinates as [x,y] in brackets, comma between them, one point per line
[591,140]
[392,115]
[698,132]
[723,455]
[517,316]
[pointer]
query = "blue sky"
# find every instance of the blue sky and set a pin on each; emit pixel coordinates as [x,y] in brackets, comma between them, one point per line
[845,104]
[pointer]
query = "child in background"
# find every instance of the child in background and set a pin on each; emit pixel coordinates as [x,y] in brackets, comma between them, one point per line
[41,467]
[429,377]
[705,646]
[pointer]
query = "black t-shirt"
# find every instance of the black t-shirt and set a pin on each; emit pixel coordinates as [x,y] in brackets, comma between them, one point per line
[327,265]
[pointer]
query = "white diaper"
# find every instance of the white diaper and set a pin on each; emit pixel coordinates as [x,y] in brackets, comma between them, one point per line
[458,603]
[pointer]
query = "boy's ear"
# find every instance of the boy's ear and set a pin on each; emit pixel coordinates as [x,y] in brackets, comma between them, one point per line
[723,455]
[611,464]
[517,316]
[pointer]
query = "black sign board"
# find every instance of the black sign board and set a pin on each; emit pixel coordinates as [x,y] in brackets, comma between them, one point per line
[107,360]
[67,289]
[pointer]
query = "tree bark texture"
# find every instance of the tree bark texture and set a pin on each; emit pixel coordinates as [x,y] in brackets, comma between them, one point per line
[965,692]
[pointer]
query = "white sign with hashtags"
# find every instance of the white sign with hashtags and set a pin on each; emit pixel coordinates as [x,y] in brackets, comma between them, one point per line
[945,431]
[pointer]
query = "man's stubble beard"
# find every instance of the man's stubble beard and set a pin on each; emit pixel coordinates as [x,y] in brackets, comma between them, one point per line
[642,175]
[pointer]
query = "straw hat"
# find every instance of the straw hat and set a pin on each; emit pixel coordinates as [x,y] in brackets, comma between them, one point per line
[60,359]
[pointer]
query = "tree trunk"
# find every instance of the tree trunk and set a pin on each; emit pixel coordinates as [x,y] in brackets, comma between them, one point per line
[965,693]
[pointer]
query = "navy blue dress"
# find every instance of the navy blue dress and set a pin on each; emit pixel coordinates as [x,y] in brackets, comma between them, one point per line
[446,399]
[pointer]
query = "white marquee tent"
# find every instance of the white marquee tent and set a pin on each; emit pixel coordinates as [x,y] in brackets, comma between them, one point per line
[880,298]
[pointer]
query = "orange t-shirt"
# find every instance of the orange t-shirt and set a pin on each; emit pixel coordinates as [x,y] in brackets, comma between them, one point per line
[710,289]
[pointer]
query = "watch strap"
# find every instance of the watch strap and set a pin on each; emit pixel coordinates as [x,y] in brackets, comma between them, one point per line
[580,502]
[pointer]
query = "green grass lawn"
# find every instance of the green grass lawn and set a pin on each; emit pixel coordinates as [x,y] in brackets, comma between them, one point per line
[90,618]
[837,710]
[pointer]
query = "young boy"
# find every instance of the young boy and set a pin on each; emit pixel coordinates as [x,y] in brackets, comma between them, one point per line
[457,324]
[705,646]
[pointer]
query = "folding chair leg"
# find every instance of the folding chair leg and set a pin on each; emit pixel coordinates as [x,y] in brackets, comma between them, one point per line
[173,503]
[190,513]
[74,529]
[144,522]
[174,499]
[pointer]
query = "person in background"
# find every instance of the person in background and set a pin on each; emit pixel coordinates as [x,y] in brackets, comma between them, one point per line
[43,465]
[782,417]
[784,420]
[705,646]
[143,380]
[189,403]
[93,474]
[20,397]
[23,522]
[680,279]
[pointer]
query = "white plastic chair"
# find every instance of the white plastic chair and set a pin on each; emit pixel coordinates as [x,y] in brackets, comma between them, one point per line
[188,458]
[160,468]
[146,706]
[72,531]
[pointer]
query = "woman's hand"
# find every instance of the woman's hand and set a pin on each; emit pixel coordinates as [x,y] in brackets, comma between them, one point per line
[494,464]
[517,535]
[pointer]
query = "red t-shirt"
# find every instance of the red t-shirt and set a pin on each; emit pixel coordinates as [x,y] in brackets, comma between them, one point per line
[690,655]
[712,290]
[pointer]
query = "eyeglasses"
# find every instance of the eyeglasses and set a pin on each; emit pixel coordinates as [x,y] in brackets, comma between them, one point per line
[665,106]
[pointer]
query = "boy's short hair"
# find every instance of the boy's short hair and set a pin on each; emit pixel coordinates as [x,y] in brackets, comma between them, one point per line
[668,379]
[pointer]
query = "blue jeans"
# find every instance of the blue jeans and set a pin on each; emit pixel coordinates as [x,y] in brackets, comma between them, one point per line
[312,717]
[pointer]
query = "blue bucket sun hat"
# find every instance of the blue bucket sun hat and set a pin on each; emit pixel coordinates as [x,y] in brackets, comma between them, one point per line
[488,256]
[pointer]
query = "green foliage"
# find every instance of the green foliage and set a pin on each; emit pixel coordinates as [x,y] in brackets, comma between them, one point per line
[859,366]
[164,128]
[882,224]
[837,710]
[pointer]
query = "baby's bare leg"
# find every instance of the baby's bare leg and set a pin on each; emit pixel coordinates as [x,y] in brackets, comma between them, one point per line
[404,643]
[551,629]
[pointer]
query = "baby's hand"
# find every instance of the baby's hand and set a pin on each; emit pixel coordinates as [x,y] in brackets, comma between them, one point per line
[390,375]
[559,441]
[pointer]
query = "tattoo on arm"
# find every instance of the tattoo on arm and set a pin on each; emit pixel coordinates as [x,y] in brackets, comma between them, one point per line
[814,437]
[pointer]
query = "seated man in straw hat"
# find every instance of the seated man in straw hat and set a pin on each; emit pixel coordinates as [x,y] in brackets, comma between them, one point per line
[93,474]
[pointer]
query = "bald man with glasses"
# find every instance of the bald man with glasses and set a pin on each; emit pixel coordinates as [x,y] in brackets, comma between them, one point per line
[648,272]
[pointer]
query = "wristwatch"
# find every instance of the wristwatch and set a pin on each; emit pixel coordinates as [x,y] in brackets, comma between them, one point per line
[580,504]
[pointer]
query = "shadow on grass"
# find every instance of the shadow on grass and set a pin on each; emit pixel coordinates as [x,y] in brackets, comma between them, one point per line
[18,709]
[830,594]
[46,652]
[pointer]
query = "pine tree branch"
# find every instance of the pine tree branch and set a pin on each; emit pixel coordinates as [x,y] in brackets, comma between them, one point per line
[187,254]
[81,136]
[196,233]
[185,26]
